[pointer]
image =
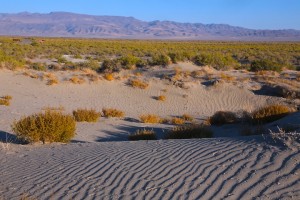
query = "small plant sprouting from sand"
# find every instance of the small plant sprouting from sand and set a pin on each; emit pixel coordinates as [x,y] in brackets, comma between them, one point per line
[161,98]
[189,131]
[5,100]
[136,83]
[86,115]
[143,134]
[270,113]
[150,119]
[112,112]
[48,126]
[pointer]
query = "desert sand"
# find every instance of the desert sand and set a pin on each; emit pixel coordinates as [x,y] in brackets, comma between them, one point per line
[100,163]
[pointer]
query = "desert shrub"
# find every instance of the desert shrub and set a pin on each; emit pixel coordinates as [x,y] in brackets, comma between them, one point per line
[222,117]
[136,83]
[87,115]
[270,113]
[259,65]
[129,61]
[90,64]
[4,102]
[76,80]
[161,59]
[52,81]
[189,131]
[38,66]
[203,59]
[150,118]
[111,112]
[110,66]
[48,126]
[143,134]
[177,120]
[7,97]
[176,57]
[161,98]
[187,117]
[217,60]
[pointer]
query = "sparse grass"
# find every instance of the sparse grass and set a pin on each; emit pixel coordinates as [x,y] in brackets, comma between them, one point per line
[227,77]
[143,134]
[48,126]
[7,97]
[150,119]
[178,121]
[190,131]
[112,112]
[5,100]
[222,117]
[138,84]
[52,81]
[53,108]
[270,113]
[161,98]
[76,80]
[109,77]
[87,115]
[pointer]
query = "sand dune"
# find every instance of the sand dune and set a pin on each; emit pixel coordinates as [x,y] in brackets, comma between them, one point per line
[241,168]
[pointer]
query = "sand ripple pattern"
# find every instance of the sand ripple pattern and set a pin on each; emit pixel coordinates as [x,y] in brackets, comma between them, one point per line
[174,169]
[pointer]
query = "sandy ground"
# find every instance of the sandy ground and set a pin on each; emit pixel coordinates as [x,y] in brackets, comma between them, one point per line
[89,168]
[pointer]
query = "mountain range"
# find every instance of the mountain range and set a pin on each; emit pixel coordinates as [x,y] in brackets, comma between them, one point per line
[64,24]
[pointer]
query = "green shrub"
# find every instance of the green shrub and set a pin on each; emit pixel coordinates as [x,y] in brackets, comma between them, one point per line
[189,131]
[270,113]
[260,65]
[110,66]
[87,115]
[48,126]
[223,117]
[204,59]
[38,66]
[143,135]
[128,62]
[162,60]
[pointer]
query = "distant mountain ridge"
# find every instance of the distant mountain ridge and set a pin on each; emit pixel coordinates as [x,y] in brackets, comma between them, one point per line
[64,24]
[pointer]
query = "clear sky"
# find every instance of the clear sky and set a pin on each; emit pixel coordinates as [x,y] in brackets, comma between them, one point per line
[259,14]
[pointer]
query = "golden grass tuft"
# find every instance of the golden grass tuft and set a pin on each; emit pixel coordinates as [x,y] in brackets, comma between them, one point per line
[86,115]
[7,97]
[150,119]
[48,126]
[76,80]
[109,77]
[190,131]
[177,120]
[270,113]
[143,134]
[161,98]
[138,84]
[227,77]
[187,117]
[5,100]
[112,112]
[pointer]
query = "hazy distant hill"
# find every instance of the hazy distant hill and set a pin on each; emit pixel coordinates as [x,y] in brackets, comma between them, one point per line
[63,24]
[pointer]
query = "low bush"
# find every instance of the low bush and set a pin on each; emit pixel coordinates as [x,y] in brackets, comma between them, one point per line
[270,113]
[260,65]
[5,100]
[109,77]
[223,117]
[87,115]
[111,112]
[150,119]
[143,134]
[190,131]
[129,62]
[110,66]
[177,120]
[76,80]
[162,60]
[48,126]
[138,84]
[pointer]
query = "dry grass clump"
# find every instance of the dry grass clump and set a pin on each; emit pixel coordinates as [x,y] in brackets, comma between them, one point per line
[5,100]
[270,113]
[87,115]
[190,131]
[222,117]
[143,134]
[138,84]
[150,119]
[48,126]
[76,80]
[161,98]
[177,120]
[112,112]
[187,117]
[109,77]
[227,77]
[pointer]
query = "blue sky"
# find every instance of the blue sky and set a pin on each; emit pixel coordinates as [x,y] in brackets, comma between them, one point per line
[260,14]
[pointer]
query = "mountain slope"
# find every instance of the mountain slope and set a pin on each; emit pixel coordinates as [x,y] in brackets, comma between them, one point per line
[63,24]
